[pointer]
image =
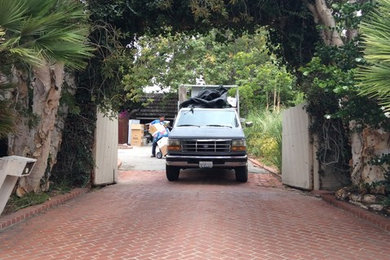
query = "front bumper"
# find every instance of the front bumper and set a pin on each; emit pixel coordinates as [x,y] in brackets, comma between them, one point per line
[187,161]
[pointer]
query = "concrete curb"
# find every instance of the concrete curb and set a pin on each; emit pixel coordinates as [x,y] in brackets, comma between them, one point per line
[270,169]
[377,220]
[23,214]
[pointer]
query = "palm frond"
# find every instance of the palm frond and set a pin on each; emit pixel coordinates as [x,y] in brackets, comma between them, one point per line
[2,33]
[39,8]
[30,56]
[12,12]
[374,79]
[49,30]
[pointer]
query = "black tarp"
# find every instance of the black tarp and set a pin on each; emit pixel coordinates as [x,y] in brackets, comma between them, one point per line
[208,98]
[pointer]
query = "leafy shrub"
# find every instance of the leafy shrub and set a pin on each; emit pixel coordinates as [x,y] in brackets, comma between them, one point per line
[264,138]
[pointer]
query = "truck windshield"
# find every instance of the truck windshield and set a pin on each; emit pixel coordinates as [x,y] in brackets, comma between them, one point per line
[212,118]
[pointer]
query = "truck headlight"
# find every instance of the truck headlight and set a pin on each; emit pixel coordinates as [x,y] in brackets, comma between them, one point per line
[238,145]
[174,145]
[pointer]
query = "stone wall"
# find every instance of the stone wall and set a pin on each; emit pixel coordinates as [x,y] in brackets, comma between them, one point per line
[367,145]
[367,191]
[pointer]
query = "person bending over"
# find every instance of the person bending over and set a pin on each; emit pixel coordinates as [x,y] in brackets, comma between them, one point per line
[158,135]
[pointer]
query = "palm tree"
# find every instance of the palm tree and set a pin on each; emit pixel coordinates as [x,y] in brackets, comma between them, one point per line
[44,30]
[375,78]
[39,38]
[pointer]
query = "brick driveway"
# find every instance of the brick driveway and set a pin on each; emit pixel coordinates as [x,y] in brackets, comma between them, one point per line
[206,216]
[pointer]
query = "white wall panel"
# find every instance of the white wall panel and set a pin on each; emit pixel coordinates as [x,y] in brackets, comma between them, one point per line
[297,154]
[106,150]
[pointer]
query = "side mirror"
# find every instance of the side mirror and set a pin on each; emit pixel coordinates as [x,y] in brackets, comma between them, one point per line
[249,124]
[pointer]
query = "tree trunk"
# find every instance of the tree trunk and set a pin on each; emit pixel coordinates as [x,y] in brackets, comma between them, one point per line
[323,16]
[366,146]
[351,33]
[274,108]
[35,129]
[62,114]
[357,149]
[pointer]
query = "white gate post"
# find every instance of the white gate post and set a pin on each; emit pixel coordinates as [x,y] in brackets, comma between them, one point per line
[297,150]
[105,150]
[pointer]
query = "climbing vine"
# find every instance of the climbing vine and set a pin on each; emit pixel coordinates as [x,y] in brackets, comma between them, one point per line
[331,88]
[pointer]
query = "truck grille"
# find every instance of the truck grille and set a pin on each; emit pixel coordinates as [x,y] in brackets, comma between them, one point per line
[206,145]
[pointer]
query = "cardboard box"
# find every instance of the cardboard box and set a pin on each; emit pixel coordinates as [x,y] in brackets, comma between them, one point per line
[131,122]
[136,141]
[138,144]
[135,133]
[164,150]
[155,128]
[163,145]
[162,142]
[137,126]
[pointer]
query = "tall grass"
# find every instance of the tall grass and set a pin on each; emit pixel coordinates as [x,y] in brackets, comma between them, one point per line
[264,138]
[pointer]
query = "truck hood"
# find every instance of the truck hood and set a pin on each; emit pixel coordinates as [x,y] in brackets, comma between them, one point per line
[206,133]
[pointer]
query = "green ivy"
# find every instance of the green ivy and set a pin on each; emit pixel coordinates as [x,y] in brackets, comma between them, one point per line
[332,92]
[75,160]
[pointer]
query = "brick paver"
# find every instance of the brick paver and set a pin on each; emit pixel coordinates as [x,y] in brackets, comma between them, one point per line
[202,216]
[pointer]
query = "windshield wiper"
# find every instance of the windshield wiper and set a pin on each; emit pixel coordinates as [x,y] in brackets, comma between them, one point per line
[189,125]
[220,126]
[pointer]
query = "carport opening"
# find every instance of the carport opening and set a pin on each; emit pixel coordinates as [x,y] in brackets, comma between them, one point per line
[151,107]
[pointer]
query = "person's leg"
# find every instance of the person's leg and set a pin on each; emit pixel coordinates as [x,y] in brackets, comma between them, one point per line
[154,149]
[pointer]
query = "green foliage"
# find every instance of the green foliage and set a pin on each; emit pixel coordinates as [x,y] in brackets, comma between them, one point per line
[264,86]
[6,119]
[172,60]
[264,138]
[375,75]
[383,161]
[30,199]
[27,200]
[293,30]
[75,160]
[326,88]
[345,16]
[6,115]
[176,59]
[329,84]
[99,84]
[36,31]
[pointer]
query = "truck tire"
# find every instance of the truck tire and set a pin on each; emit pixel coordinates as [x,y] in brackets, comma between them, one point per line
[241,174]
[172,173]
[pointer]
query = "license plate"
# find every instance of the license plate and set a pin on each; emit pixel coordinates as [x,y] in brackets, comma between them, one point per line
[205,164]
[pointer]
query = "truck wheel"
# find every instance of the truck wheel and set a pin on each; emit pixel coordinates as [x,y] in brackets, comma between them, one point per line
[241,174]
[172,173]
[159,155]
